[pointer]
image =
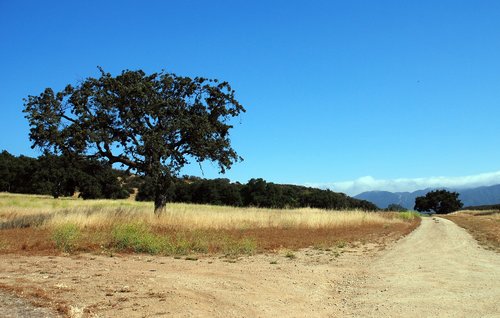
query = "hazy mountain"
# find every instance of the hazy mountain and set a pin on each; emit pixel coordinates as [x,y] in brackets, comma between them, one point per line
[469,197]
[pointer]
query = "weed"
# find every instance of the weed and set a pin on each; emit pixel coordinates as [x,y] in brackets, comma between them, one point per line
[273,262]
[233,247]
[199,242]
[341,244]
[336,253]
[247,246]
[290,255]
[3,245]
[66,236]
[179,246]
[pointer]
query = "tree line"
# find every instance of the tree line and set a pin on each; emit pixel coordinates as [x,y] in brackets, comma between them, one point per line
[92,179]
[60,176]
[256,193]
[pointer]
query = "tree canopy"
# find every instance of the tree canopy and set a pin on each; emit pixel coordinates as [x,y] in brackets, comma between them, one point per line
[150,124]
[439,201]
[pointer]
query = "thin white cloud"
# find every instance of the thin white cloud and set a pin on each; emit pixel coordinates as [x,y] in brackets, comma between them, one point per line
[369,183]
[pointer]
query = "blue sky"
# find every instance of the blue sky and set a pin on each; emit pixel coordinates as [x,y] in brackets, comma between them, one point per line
[336,92]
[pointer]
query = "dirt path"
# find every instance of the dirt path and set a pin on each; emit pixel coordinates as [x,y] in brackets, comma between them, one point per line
[307,283]
[436,271]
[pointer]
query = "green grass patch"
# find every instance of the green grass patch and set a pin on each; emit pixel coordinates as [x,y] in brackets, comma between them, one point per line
[66,237]
[138,238]
[408,215]
[234,247]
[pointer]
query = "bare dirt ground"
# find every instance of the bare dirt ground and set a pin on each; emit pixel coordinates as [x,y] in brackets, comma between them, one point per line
[484,226]
[439,270]
[436,271]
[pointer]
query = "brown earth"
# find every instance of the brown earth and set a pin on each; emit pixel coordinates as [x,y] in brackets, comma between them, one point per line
[292,284]
[483,226]
[438,270]
[38,241]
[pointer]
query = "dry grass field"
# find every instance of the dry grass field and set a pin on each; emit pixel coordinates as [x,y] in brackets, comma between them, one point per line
[101,258]
[43,225]
[484,226]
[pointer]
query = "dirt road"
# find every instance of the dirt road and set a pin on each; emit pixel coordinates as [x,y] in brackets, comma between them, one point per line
[436,271]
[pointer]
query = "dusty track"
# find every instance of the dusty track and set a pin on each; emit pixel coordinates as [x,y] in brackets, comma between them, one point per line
[310,284]
[437,271]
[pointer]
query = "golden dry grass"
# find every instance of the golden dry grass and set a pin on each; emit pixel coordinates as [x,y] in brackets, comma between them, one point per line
[34,223]
[102,213]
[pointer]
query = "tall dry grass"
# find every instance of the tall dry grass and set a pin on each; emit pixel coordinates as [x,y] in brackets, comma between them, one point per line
[32,223]
[51,212]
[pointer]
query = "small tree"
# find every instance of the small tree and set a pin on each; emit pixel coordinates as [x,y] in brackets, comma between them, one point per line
[439,201]
[151,124]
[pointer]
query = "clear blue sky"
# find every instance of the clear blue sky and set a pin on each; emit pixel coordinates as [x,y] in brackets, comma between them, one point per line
[334,90]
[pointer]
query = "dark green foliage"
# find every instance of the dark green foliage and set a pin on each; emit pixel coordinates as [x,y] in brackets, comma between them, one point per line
[62,176]
[15,173]
[393,207]
[100,180]
[217,191]
[483,207]
[151,124]
[57,176]
[438,201]
[257,193]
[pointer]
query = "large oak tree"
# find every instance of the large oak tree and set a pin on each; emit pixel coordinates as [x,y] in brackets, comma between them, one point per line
[439,201]
[151,124]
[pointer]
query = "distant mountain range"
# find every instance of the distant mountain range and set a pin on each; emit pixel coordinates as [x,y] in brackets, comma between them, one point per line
[469,197]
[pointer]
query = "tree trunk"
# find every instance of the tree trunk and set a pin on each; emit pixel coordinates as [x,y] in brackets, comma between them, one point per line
[162,186]
[160,203]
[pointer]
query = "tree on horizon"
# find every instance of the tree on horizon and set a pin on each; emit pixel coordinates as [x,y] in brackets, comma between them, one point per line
[439,201]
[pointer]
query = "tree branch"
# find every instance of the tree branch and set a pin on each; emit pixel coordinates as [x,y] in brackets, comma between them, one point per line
[106,152]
